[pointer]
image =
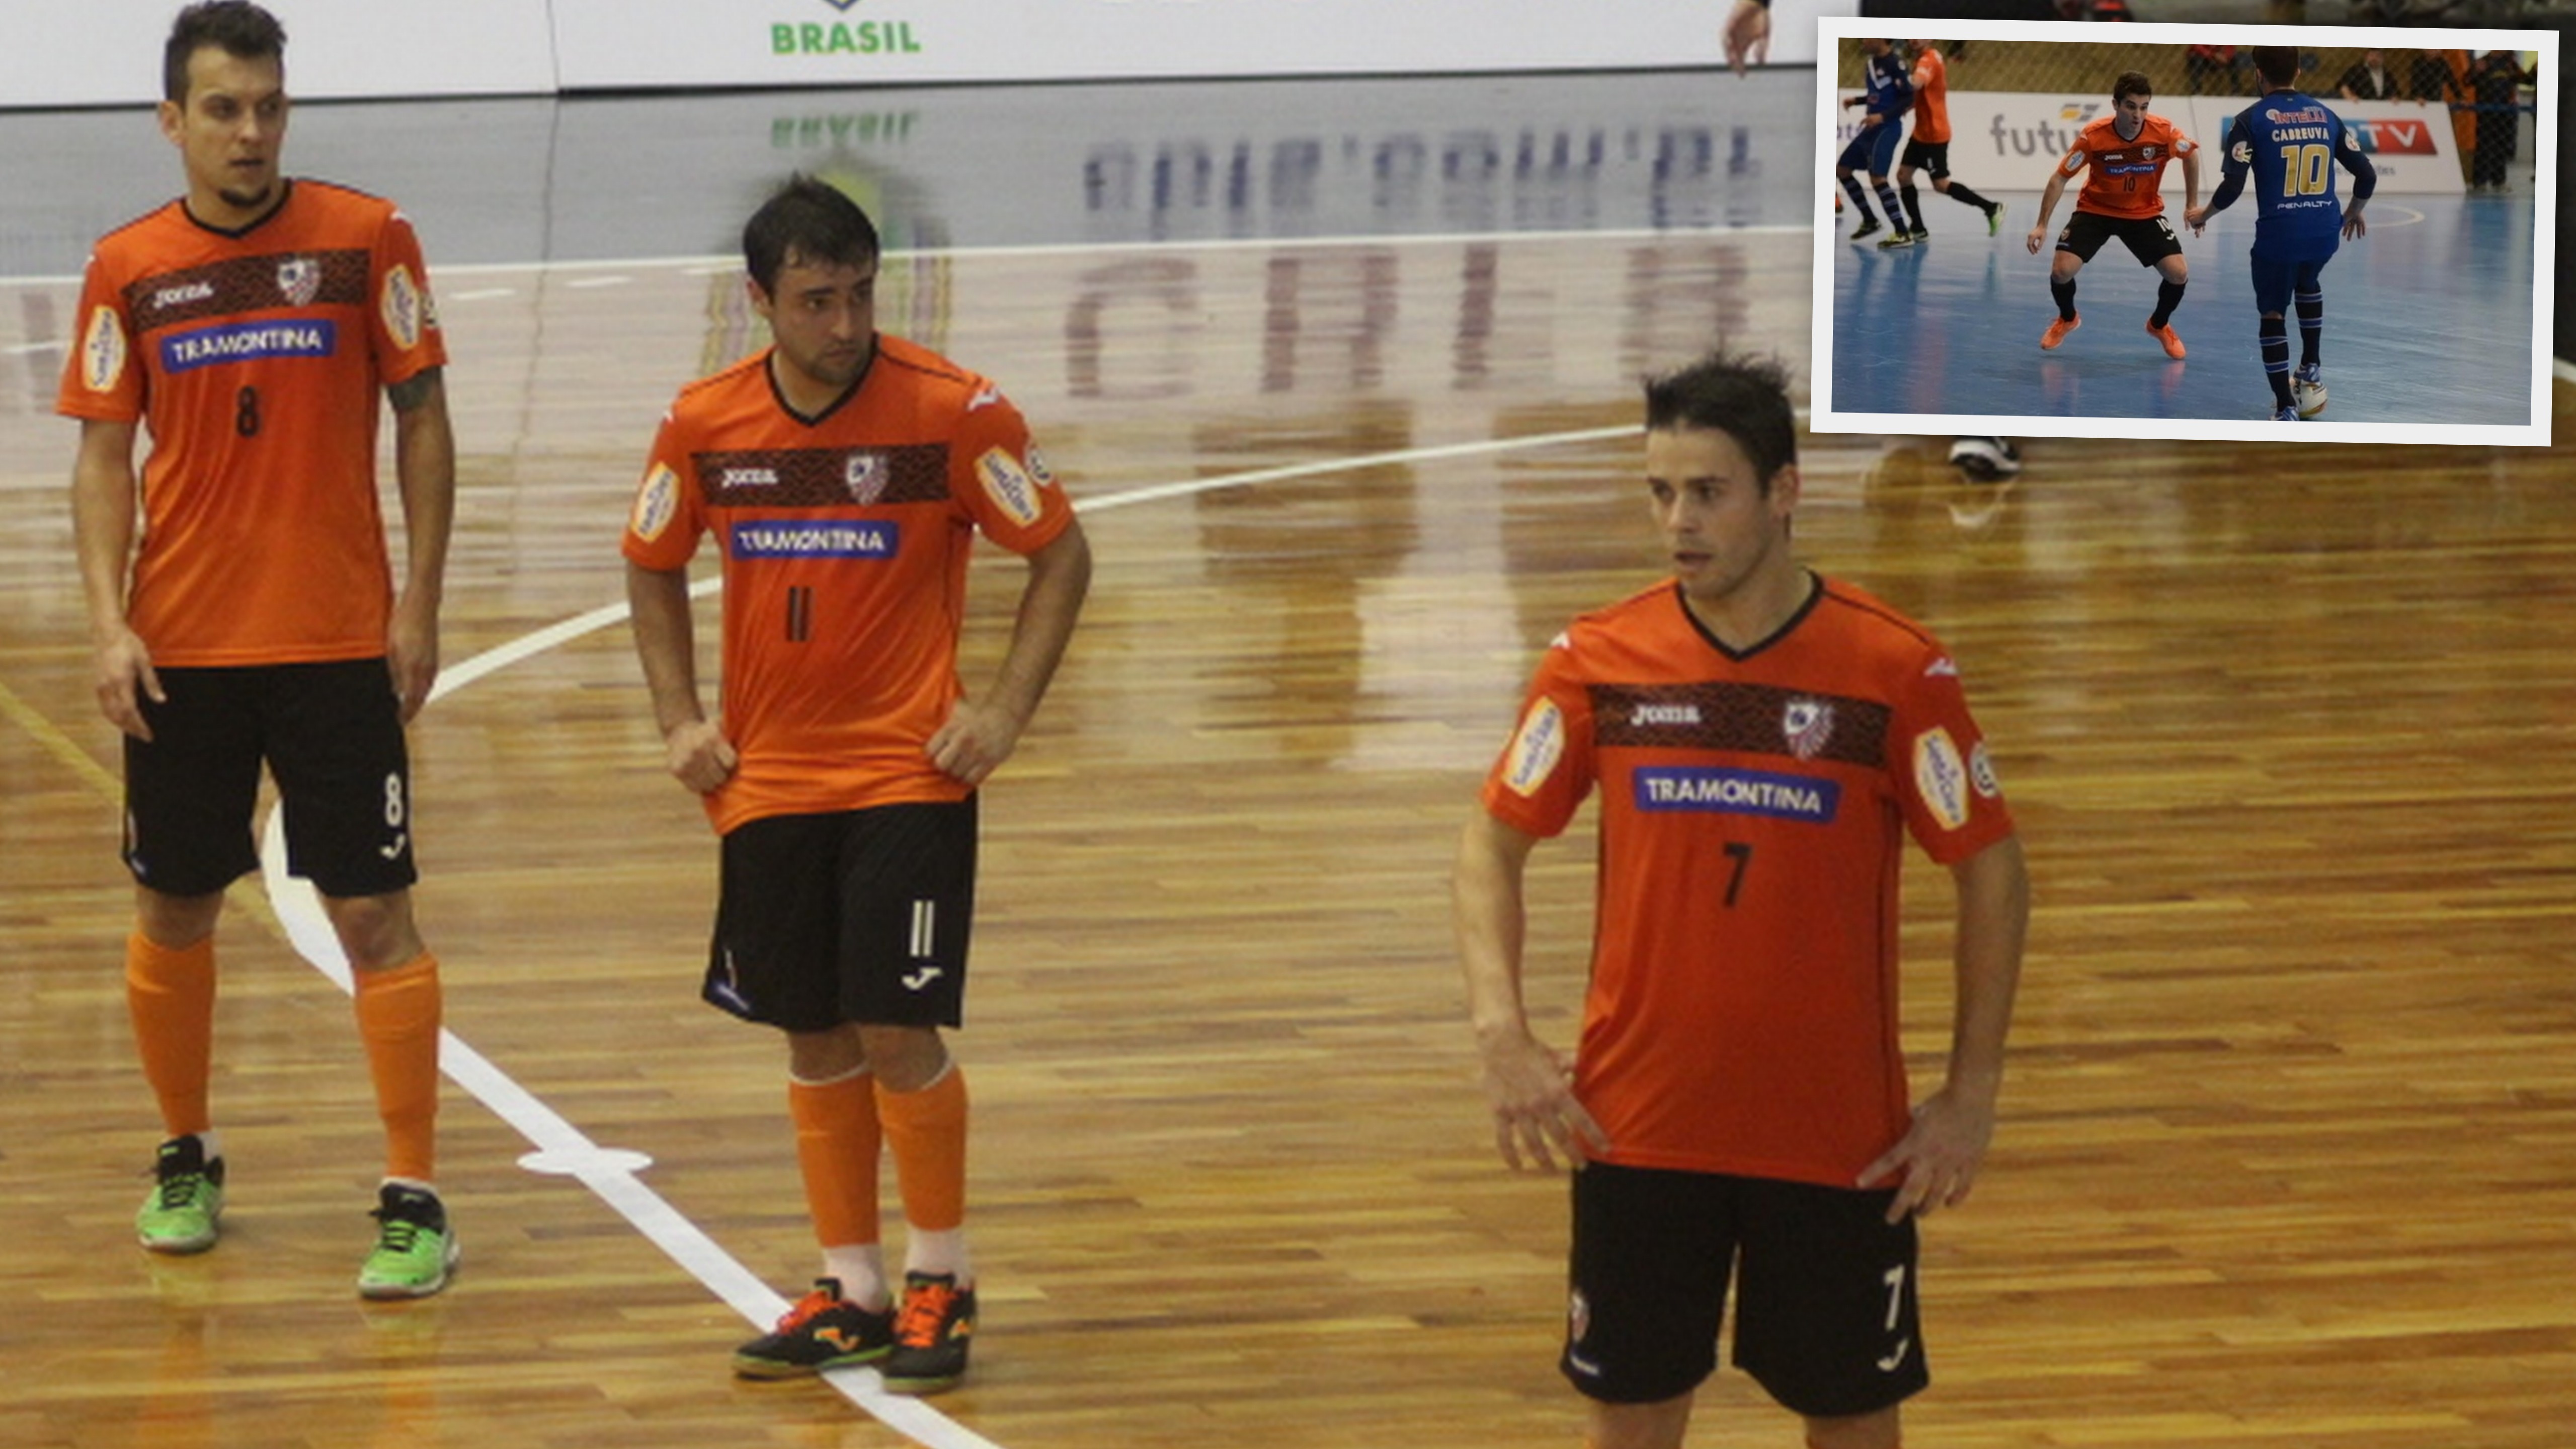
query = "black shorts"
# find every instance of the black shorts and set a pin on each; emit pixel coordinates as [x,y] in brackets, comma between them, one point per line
[1930,156]
[332,736]
[853,916]
[2150,239]
[1826,1315]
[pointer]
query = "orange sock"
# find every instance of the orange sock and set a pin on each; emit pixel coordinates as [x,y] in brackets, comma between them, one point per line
[171,996]
[398,1015]
[927,1132]
[837,1145]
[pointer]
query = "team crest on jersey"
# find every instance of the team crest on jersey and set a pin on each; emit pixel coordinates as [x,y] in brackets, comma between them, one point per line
[1808,726]
[2146,153]
[404,308]
[866,474]
[103,351]
[299,280]
[1536,747]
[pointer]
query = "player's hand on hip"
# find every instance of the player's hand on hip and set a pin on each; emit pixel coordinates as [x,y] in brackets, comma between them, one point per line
[1935,1164]
[974,742]
[411,655]
[1536,1117]
[700,756]
[124,678]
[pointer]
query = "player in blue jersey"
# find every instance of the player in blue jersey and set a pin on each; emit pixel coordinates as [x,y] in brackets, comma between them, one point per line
[1888,95]
[2291,143]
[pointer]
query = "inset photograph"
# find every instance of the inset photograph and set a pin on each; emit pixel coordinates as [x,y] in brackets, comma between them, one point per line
[2235,230]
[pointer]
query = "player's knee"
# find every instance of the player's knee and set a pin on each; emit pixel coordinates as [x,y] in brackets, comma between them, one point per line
[905,1058]
[825,1056]
[1860,1431]
[376,932]
[175,923]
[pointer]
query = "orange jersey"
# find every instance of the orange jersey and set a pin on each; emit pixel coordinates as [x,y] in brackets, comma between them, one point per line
[1931,97]
[2125,175]
[1742,1014]
[255,360]
[845,541]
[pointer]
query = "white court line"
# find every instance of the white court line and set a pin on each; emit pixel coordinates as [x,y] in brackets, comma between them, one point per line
[611,1174]
[563,1150]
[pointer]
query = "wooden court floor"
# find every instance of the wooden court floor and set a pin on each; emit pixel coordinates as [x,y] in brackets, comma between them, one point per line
[2289,1155]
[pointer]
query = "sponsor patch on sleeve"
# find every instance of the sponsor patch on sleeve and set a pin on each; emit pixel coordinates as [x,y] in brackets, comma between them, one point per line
[1941,778]
[403,308]
[655,503]
[103,351]
[1008,484]
[1536,748]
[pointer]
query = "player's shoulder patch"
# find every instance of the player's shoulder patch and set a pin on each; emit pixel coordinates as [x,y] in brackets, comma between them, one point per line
[657,501]
[1536,748]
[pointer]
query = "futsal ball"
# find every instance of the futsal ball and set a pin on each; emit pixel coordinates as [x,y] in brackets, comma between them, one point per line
[1987,460]
[2311,397]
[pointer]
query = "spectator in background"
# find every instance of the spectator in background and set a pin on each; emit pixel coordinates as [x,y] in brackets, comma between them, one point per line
[2370,80]
[2496,81]
[2441,77]
[2203,61]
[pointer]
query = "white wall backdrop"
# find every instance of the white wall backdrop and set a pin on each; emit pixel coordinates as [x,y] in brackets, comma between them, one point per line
[107,52]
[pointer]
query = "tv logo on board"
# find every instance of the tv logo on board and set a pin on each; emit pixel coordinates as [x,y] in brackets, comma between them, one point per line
[2393,137]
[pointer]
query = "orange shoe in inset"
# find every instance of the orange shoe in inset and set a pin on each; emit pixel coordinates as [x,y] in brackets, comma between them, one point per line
[2165,335]
[2057,331]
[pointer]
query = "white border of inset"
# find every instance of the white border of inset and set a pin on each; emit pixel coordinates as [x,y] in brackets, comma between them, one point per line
[2534,432]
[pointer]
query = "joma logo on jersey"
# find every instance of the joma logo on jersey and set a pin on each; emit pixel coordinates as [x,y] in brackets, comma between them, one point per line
[748,478]
[1664,714]
[814,540]
[1737,792]
[182,295]
[248,342]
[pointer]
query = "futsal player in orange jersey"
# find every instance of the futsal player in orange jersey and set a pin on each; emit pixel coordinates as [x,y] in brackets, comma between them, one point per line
[251,326]
[2123,157]
[843,476]
[1928,147]
[1763,740]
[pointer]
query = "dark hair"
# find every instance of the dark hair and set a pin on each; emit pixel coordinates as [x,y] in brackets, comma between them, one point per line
[2277,64]
[810,221]
[2131,83]
[245,32]
[1744,397]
